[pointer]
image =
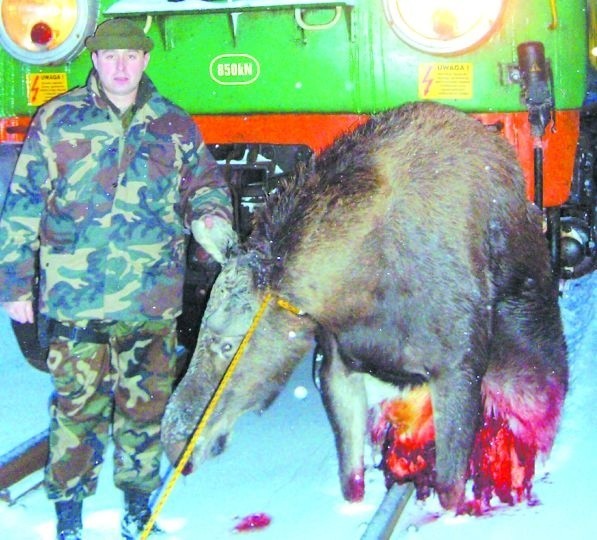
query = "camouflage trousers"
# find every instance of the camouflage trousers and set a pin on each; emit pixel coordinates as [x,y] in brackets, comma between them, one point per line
[119,388]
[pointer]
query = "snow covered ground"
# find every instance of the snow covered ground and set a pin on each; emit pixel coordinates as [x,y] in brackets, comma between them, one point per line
[283,464]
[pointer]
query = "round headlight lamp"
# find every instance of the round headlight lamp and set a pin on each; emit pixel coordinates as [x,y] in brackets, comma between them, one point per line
[46,32]
[443,26]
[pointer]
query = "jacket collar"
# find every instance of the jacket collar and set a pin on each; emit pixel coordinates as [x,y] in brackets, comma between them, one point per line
[144,93]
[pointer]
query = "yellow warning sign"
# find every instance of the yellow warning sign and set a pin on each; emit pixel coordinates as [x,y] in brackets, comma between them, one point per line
[453,80]
[42,87]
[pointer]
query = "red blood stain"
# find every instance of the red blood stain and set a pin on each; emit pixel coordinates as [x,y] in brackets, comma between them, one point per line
[406,433]
[501,463]
[253,522]
[515,430]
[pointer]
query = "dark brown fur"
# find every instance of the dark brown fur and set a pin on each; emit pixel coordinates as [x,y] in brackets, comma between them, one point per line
[413,250]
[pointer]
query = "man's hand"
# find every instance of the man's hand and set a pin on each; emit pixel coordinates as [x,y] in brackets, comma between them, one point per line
[215,234]
[20,311]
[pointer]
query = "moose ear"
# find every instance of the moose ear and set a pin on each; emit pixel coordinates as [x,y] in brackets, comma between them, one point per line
[215,235]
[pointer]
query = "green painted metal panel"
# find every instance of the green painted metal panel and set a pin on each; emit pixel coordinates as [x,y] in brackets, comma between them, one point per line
[263,61]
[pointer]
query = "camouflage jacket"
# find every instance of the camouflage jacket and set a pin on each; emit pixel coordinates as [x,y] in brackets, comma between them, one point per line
[108,203]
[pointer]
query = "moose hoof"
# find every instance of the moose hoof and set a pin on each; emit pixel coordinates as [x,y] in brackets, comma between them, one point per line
[354,487]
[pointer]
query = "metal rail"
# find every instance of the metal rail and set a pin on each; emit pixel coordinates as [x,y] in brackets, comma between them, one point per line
[23,460]
[384,520]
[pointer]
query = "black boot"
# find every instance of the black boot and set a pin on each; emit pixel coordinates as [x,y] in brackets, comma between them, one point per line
[136,515]
[70,524]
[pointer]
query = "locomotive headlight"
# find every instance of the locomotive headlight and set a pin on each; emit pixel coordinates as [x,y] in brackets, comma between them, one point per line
[443,26]
[45,31]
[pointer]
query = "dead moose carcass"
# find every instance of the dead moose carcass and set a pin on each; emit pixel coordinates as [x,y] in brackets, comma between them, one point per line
[414,254]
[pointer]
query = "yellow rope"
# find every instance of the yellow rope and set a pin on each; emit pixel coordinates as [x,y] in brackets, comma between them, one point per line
[285,304]
[205,418]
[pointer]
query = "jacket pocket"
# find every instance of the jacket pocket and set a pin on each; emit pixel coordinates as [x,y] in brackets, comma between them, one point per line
[58,232]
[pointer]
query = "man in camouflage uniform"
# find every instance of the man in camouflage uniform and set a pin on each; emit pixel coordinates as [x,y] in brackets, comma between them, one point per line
[110,181]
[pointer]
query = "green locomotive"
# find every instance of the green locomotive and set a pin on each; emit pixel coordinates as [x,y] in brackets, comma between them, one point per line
[272,81]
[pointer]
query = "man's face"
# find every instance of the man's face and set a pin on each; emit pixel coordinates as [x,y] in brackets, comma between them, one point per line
[120,71]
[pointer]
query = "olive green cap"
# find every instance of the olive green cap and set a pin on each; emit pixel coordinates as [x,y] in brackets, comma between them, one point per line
[119,34]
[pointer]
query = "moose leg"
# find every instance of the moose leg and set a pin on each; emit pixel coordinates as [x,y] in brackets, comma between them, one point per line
[345,401]
[456,400]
